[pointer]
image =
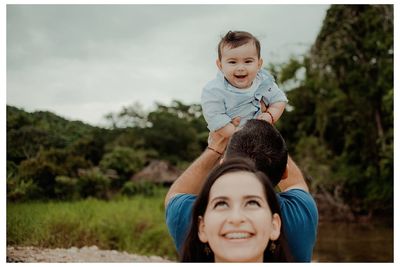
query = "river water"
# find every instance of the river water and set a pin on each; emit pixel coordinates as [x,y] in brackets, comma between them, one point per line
[343,242]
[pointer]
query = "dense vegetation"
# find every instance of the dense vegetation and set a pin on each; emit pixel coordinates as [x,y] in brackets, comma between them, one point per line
[49,157]
[339,127]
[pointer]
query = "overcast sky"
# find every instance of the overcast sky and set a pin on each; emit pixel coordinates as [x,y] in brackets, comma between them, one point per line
[84,61]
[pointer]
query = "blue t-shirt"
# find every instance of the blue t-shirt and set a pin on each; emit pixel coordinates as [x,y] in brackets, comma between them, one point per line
[299,216]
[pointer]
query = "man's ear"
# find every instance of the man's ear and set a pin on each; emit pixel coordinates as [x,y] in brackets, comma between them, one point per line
[285,173]
[202,235]
[276,227]
[219,65]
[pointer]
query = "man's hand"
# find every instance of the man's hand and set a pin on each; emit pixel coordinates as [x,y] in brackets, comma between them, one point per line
[218,141]
[228,130]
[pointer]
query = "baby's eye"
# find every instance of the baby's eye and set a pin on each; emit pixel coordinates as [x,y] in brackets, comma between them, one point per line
[253,203]
[220,204]
[249,61]
[231,62]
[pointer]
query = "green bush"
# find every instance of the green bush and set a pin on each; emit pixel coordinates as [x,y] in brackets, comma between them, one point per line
[125,161]
[67,188]
[19,189]
[42,173]
[145,188]
[93,183]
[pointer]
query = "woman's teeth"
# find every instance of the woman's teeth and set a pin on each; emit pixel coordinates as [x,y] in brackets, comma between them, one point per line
[237,235]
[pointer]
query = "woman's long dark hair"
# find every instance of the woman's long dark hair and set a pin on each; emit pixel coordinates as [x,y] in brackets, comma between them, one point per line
[194,250]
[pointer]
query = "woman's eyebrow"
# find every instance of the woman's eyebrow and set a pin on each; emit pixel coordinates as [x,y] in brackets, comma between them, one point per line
[253,196]
[218,198]
[244,197]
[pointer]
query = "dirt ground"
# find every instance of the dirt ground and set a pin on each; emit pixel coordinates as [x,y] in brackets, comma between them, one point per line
[73,254]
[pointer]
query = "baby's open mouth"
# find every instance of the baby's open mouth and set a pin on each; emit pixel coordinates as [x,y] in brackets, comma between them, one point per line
[240,76]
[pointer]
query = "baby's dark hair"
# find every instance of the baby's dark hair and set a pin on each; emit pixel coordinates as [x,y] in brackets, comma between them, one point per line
[235,39]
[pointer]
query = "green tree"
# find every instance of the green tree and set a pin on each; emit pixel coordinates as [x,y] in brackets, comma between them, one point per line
[346,101]
[125,161]
[43,169]
[92,183]
[173,137]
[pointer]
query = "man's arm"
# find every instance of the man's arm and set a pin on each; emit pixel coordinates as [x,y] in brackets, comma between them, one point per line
[192,178]
[295,178]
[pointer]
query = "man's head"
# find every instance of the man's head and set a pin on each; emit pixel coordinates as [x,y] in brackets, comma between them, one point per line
[239,58]
[261,142]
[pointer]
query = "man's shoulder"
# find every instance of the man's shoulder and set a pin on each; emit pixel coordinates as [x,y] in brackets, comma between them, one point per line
[296,195]
[300,220]
[299,204]
[180,199]
[178,215]
[183,196]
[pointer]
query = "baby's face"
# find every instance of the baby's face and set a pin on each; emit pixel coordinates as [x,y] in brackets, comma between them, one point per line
[240,65]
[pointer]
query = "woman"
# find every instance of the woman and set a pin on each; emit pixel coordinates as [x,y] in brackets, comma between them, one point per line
[236,218]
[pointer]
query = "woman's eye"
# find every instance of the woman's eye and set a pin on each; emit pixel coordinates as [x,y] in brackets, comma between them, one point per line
[253,203]
[220,204]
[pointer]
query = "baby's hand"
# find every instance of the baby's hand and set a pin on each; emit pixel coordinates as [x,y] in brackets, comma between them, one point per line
[265,116]
[236,121]
[263,106]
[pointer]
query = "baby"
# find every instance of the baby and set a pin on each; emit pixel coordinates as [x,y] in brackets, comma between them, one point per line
[240,86]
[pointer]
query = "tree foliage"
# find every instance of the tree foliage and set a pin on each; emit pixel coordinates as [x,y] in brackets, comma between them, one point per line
[346,102]
[50,157]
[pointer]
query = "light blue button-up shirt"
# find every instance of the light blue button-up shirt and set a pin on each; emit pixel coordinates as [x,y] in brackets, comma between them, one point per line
[221,102]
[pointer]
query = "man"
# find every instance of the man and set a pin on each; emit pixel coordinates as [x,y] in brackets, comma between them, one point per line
[261,142]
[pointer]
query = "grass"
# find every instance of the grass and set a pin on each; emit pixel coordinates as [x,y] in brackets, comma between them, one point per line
[135,225]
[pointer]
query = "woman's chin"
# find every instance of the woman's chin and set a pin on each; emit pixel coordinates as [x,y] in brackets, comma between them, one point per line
[233,256]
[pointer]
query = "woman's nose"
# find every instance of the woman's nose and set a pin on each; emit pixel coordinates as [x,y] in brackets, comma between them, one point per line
[236,216]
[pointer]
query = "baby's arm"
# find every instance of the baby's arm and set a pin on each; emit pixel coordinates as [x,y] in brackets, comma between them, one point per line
[213,107]
[273,112]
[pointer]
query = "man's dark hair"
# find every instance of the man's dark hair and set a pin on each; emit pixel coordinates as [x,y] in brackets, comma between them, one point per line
[235,39]
[261,142]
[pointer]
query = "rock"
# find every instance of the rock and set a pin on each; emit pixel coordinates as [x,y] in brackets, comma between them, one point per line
[74,254]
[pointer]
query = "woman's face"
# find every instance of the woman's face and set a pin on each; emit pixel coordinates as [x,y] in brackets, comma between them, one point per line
[238,222]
